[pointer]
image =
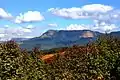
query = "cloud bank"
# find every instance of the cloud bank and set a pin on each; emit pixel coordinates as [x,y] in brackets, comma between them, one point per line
[102,28]
[104,17]
[87,11]
[8,32]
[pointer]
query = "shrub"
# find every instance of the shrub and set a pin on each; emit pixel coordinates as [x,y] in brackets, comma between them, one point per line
[17,64]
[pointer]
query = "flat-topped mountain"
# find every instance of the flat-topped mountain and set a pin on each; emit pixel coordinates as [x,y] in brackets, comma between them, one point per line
[63,38]
[60,38]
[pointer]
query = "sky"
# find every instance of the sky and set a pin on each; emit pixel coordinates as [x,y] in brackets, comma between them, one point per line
[31,18]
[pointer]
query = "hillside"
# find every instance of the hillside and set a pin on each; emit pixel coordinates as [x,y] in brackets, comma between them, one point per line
[96,61]
[61,38]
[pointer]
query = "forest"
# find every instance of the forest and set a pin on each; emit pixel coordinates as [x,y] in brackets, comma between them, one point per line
[98,60]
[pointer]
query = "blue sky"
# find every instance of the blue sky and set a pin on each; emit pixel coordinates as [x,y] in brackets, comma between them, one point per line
[30,18]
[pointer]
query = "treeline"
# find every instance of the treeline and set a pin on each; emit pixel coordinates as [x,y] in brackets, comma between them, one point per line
[99,60]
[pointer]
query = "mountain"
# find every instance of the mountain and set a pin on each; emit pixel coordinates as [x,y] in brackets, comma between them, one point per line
[115,34]
[63,38]
[60,38]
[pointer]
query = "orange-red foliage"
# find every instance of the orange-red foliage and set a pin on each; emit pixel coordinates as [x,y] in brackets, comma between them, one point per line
[49,58]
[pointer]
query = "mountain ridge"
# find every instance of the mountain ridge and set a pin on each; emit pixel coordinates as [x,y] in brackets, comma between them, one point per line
[63,38]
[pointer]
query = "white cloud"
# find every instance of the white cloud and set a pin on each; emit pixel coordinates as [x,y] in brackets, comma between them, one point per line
[2,35]
[105,17]
[4,14]
[30,27]
[97,12]
[28,37]
[14,32]
[53,25]
[26,30]
[6,26]
[101,28]
[73,13]
[1,30]
[77,27]
[97,8]
[30,16]
[87,11]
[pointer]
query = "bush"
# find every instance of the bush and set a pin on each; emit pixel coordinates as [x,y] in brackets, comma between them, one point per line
[16,64]
[99,60]
[9,60]
[105,62]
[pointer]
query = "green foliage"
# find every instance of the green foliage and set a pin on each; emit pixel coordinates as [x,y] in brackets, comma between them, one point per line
[104,62]
[71,66]
[9,59]
[16,64]
[100,59]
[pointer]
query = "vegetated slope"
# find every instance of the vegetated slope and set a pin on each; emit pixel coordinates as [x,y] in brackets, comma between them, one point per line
[61,38]
[95,61]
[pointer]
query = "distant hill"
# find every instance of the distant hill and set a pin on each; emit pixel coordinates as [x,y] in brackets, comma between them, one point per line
[61,38]
[115,34]
[19,39]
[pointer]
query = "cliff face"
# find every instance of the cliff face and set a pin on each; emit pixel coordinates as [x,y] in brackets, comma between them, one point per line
[88,34]
[48,34]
